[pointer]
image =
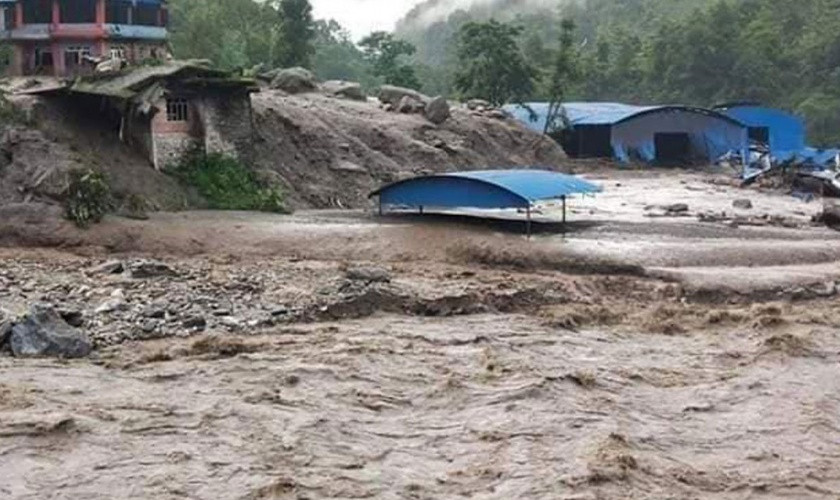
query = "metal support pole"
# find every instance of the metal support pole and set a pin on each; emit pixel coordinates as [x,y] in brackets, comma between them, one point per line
[564,212]
[528,223]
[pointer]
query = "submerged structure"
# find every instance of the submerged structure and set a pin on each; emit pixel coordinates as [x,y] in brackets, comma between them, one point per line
[484,189]
[65,38]
[653,134]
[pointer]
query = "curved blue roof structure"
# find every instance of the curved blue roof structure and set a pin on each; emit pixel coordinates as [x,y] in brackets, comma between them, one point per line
[483,189]
[647,133]
[600,113]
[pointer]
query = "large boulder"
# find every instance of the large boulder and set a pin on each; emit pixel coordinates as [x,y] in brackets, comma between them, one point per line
[295,80]
[392,95]
[437,110]
[409,104]
[143,269]
[348,90]
[831,216]
[44,333]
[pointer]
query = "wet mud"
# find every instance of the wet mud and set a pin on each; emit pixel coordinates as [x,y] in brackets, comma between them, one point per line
[332,355]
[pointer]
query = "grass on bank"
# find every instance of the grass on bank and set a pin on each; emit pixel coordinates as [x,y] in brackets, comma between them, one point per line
[226,184]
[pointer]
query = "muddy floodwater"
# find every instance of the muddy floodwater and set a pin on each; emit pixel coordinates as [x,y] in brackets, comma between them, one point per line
[644,354]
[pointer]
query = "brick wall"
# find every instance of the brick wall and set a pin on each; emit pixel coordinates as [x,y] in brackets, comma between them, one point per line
[218,122]
[173,139]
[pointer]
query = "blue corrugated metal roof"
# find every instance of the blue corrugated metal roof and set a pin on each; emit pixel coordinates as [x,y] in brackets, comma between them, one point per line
[484,189]
[597,113]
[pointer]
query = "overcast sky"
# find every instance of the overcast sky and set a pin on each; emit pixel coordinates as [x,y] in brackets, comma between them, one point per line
[363,16]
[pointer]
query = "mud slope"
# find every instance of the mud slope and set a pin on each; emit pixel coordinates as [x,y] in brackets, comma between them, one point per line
[331,153]
[49,140]
[326,152]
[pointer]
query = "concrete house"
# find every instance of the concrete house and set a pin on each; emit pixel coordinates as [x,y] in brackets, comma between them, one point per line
[61,37]
[164,111]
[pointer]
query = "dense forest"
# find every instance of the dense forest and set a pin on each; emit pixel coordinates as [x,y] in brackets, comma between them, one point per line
[784,53]
[781,52]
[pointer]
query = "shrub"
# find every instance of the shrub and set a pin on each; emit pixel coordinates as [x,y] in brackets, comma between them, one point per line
[226,184]
[88,197]
[9,113]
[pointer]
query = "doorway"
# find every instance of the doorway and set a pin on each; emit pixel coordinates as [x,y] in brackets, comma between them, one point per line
[759,134]
[672,148]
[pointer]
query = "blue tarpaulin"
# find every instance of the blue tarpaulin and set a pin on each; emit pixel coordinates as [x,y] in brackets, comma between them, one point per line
[786,133]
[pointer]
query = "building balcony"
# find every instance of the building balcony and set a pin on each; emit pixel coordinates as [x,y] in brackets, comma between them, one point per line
[83,31]
[135,31]
[30,32]
[78,31]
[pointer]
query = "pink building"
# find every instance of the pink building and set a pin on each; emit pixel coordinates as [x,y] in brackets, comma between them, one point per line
[52,37]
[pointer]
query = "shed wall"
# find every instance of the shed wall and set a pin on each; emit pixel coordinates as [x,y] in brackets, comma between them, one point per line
[711,137]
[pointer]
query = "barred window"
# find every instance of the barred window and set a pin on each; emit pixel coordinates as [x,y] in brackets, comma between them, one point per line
[118,52]
[74,55]
[177,110]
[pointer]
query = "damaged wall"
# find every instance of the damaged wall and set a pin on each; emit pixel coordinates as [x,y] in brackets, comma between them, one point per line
[227,120]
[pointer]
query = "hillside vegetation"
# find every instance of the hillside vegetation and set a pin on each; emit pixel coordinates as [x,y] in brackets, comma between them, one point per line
[782,52]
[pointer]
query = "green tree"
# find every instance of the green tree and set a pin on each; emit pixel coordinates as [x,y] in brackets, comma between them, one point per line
[336,56]
[297,33]
[491,65]
[387,55]
[231,33]
[564,72]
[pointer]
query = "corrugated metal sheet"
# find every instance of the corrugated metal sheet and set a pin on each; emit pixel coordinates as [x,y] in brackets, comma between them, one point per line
[484,189]
[633,128]
[597,113]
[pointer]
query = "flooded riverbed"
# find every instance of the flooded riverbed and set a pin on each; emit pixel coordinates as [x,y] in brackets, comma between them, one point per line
[332,355]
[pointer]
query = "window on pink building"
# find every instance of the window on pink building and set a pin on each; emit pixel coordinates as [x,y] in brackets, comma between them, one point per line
[117,12]
[177,110]
[75,55]
[37,11]
[78,11]
[146,15]
[43,59]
